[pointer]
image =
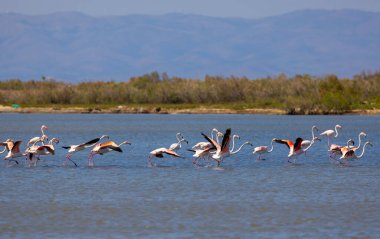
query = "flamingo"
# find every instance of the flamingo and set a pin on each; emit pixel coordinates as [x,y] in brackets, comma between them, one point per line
[34,152]
[205,145]
[105,148]
[159,153]
[223,151]
[262,150]
[349,153]
[295,149]
[79,147]
[336,150]
[13,150]
[37,139]
[329,133]
[306,143]
[178,145]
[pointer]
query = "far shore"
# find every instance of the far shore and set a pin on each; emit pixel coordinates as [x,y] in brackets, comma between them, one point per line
[170,110]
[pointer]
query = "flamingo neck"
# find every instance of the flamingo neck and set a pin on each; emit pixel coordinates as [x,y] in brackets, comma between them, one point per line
[361,155]
[3,150]
[311,144]
[271,148]
[336,131]
[233,143]
[241,146]
[312,132]
[360,139]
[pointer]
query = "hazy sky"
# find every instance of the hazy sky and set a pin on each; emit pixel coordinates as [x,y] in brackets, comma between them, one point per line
[219,8]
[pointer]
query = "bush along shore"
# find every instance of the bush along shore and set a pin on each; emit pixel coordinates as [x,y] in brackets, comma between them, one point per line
[159,93]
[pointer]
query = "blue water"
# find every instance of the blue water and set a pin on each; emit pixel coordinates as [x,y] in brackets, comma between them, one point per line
[120,197]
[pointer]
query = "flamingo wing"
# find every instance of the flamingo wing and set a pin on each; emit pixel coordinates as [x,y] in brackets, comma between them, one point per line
[226,139]
[47,148]
[115,148]
[16,146]
[172,153]
[93,141]
[287,142]
[214,144]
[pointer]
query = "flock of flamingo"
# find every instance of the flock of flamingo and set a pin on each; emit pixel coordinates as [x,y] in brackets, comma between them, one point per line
[215,148]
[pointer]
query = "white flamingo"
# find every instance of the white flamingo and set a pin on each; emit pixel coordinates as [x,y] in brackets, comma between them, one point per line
[330,133]
[205,145]
[104,148]
[260,150]
[178,145]
[79,147]
[41,139]
[306,143]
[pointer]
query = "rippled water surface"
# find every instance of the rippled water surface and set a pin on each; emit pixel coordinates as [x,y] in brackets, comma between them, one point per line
[121,197]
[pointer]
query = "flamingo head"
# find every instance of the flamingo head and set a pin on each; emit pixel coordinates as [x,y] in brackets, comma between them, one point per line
[351,141]
[219,134]
[126,142]
[317,138]
[54,140]
[363,134]
[43,127]
[299,140]
[104,136]
[249,143]
[370,143]
[315,128]
[338,126]
[44,138]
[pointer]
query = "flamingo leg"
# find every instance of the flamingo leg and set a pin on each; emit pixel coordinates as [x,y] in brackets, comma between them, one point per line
[150,162]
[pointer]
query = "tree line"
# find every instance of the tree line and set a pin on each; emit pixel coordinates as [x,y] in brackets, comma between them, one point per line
[297,94]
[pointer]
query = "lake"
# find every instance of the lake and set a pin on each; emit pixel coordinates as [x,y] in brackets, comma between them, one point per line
[120,197]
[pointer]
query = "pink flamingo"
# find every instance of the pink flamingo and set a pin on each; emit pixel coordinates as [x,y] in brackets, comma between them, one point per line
[79,147]
[104,148]
[13,150]
[330,133]
[295,149]
[260,150]
[159,153]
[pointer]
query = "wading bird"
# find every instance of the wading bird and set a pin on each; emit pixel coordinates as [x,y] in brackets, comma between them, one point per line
[204,145]
[178,145]
[349,153]
[159,153]
[330,133]
[336,150]
[33,153]
[223,150]
[306,143]
[41,139]
[295,149]
[260,150]
[79,147]
[104,148]
[13,149]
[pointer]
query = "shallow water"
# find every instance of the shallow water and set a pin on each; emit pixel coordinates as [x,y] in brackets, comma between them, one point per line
[121,197]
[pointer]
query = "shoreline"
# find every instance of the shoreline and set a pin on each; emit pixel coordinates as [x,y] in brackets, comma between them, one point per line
[159,110]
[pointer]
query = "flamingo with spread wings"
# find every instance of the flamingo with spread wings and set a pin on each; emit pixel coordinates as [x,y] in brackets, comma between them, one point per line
[104,148]
[295,149]
[79,147]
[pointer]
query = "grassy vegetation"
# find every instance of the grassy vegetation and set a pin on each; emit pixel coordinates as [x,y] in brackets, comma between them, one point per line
[301,94]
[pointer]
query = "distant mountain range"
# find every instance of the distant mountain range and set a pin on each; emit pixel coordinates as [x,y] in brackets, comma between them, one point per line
[75,47]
